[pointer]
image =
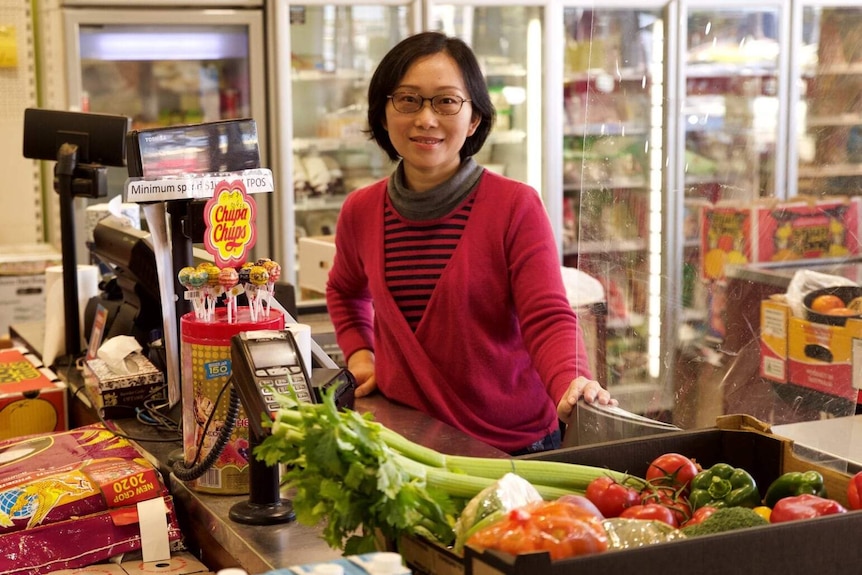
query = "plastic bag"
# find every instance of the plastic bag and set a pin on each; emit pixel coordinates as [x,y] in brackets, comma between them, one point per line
[805,281]
[492,504]
[561,528]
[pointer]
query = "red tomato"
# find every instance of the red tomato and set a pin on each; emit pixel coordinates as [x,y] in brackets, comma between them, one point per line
[651,512]
[673,470]
[699,515]
[854,492]
[676,502]
[611,497]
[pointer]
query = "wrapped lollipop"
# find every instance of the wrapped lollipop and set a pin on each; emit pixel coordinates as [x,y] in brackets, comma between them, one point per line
[213,289]
[197,280]
[244,272]
[274,271]
[228,279]
[184,276]
[257,276]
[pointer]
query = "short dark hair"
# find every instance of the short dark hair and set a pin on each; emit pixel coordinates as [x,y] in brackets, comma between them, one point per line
[394,66]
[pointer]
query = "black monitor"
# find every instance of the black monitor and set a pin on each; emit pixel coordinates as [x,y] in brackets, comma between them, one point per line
[100,138]
[82,145]
[132,295]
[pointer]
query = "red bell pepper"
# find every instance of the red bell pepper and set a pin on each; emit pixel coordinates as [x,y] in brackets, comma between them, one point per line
[804,506]
[854,492]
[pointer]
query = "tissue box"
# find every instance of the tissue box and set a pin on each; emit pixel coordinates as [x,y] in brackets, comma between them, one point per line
[32,399]
[117,395]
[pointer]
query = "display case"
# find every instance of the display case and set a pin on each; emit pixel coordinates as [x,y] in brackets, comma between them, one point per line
[827,92]
[328,52]
[728,152]
[508,41]
[168,66]
[612,144]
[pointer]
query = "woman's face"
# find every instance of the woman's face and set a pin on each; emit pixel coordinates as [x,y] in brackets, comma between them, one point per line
[428,142]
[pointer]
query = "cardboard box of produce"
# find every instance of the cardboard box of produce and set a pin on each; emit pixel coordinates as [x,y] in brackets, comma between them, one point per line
[816,356]
[32,397]
[771,230]
[816,545]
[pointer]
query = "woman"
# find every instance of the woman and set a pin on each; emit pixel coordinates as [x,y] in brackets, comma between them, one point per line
[445,291]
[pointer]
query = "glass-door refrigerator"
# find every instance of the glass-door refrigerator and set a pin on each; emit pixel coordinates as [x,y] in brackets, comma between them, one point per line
[729,153]
[825,150]
[167,65]
[513,49]
[614,113]
[325,53]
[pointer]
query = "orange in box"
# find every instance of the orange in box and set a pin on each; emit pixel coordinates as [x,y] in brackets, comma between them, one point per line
[32,400]
[821,357]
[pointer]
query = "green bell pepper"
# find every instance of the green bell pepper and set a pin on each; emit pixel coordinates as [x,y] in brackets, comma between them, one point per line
[723,485]
[795,483]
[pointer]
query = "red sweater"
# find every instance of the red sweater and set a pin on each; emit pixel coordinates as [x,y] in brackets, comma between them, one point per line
[498,344]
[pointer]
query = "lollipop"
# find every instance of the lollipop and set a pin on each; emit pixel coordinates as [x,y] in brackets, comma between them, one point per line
[228,278]
[274,271]
[198,279]
[185,278]
[184,275]
[210,287]
[257,276]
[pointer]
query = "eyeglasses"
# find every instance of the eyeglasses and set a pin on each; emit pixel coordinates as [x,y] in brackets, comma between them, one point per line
[443,104]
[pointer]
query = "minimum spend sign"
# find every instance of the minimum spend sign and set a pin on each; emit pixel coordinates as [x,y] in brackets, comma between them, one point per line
[230,210]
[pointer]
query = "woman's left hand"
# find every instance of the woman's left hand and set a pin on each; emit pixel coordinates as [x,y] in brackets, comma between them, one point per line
[581,387]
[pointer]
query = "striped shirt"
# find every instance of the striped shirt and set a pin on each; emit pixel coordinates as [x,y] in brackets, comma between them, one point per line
[416,253]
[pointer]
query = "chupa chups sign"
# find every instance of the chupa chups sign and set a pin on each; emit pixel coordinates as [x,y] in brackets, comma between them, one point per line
[229,217]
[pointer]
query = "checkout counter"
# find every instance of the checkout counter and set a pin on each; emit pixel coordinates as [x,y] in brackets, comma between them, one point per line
[204,519]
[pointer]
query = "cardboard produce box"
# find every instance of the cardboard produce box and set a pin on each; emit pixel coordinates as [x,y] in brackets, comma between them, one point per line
[816,545]
[769,230]
[820,357]
[32,397]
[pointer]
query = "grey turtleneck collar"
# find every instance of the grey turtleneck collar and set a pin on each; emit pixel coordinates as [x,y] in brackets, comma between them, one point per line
[436,202]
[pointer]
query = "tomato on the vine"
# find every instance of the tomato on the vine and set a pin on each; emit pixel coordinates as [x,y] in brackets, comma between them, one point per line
[651,512]
[699,515]
[666,496]
[672,470]
[610,496]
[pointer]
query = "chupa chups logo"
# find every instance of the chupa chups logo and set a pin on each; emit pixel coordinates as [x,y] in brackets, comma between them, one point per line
[230,231]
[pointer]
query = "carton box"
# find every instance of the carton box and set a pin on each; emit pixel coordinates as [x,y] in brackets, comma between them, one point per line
[315,260]
[22,282]
[770,230]
[117,395]
[32,398]
[824,358]
[816,545]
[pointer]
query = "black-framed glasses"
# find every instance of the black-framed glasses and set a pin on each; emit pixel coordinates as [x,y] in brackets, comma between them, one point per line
[443,104]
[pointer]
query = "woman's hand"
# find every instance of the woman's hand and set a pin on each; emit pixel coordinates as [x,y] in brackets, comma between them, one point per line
[580,387]
[361,365]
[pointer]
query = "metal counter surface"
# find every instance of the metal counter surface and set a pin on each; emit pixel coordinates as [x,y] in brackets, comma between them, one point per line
[779,274]
[258,549]
[839,438]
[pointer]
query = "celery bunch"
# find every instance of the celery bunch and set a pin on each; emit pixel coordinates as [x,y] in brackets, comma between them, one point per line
[357,477]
